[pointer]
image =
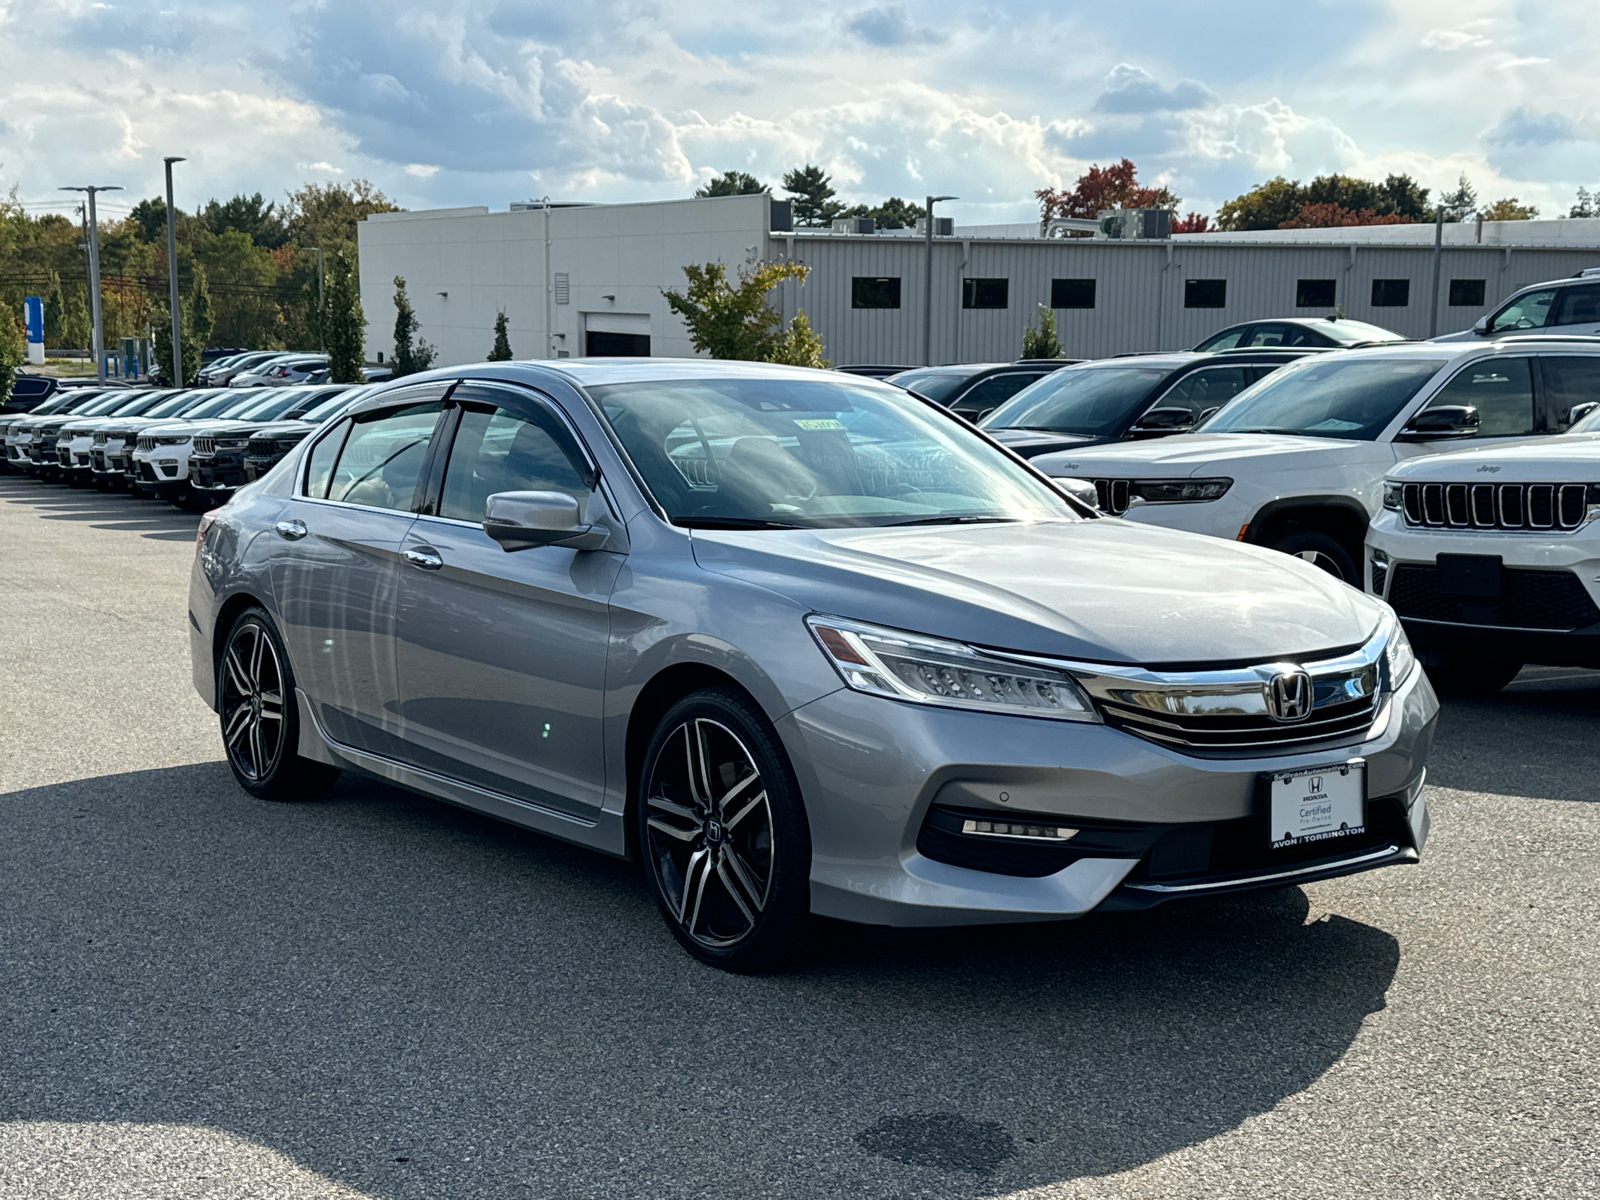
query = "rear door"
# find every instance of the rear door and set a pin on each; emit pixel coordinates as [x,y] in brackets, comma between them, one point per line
[335,575]
[1577,309]
[1567,381]
[502,654]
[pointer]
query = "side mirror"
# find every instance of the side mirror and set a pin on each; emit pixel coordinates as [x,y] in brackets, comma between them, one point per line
[1164,420]
[1445,421]
[1579,411]
[1207,414]
[524,520]
[1483,325]
[1080,489]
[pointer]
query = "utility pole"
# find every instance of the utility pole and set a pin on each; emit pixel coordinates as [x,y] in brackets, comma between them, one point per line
[1438,256]
[927,282]
[322,337]
[177,379]
[97,334]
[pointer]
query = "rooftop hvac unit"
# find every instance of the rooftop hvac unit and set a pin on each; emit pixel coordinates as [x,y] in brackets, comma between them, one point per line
[854,225]
[1126,223]
[942,227]
[780,216]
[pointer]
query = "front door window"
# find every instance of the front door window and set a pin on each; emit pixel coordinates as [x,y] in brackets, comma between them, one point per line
[1528,311]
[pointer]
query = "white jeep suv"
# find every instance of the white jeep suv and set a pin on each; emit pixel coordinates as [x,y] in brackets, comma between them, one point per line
[1491,557]
[1297,461]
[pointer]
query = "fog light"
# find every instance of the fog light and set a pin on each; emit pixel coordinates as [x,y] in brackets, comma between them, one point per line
[1009,829]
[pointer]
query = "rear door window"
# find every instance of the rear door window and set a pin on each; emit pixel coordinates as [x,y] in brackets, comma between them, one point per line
[1569,381]
[1501,389]
[995,391]
[1200,391]
[1577,306]
[381,460]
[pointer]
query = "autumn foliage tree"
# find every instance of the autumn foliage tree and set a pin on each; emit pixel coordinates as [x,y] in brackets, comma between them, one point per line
[1116,186]
[727,320]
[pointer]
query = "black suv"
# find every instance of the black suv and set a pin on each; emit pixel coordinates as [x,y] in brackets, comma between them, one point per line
[976,389]
[1134,396]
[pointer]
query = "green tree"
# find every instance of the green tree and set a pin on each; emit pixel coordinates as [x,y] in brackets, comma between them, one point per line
[1461,203]
[13,351]
[1040,340]
[1588,203]
[1510,209]
[194,310]
[200,309]
[725,321]
[411,353]
[54,311]
[812,191]
[254,216]
[344,324]
[1280,203]
[895,213]
[75,320]
[799,346]
[326,215]
[732,183]
[502,340]
[1268,205]
[246,277]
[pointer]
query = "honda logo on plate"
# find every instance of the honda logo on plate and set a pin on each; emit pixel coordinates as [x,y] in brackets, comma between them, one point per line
[1289,696]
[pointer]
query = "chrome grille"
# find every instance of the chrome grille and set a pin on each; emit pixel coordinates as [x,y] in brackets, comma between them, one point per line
[1515,506]
[99,438]
[1226,712]
[1112,495]
[145,443]
[205,445]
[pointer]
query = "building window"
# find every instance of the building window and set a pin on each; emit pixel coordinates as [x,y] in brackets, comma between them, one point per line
[1072,293]
[1205,293]
[985,293]
[1391,293]
[1314,293]
[869,292]
[1466,293]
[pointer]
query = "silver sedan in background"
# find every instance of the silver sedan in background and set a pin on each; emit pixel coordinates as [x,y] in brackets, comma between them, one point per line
[804,644]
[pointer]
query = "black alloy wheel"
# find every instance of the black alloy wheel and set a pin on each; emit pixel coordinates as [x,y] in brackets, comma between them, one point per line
[1322,552]
[260,722]
[723,833]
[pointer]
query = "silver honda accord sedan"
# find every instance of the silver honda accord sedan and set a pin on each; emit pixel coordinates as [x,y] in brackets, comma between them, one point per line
[802,643]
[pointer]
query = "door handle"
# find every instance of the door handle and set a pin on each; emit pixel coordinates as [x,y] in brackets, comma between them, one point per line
[425,557]
[292,530]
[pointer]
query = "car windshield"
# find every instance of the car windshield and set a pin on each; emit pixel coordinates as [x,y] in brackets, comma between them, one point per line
[172,404]
[325,408]
[1090,400]
[53,405]
[275,404]
[107,404]
[1334,397]
[1350,333]
[207,404]
[802,453]
[935,385]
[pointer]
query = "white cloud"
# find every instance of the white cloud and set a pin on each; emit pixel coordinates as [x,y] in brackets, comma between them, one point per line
[422,170]
[1453,39]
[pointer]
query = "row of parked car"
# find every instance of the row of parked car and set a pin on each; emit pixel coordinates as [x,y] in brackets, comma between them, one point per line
[1458,480]
[192,446]
[275,368]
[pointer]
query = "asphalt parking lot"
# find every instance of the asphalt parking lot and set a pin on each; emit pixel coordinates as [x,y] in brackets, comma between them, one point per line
[377,995]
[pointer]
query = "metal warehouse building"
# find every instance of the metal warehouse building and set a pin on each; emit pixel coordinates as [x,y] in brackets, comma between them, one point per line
[579,280]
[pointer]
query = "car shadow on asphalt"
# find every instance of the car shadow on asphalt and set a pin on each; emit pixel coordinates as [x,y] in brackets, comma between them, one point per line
[418,1001]
[1479,747]
[117,510]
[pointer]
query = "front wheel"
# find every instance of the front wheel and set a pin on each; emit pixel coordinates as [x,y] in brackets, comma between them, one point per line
[260,721]
[1320,551]
[723,833]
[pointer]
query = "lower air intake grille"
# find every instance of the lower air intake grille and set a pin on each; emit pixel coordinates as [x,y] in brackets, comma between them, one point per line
[1528,600]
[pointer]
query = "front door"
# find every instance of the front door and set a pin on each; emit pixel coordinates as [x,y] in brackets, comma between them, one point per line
[336,578]
[502,654]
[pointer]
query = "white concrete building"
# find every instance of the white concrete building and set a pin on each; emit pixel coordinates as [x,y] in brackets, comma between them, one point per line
[580,280]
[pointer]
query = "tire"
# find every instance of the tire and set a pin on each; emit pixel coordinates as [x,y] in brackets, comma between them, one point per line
[722,831]
[1471,677]
[1322,551]
[260,722]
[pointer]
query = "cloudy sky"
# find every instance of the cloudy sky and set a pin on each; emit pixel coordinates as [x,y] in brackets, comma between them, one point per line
[488,101]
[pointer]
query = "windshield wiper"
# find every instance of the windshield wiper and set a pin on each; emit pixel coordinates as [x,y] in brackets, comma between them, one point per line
[734,523]
[951,519]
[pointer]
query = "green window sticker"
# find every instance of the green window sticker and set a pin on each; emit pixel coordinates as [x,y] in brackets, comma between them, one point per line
[818,423]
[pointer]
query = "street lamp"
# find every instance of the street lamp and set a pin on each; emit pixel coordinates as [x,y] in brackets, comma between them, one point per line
[97,334]
[927,290]
[177,379]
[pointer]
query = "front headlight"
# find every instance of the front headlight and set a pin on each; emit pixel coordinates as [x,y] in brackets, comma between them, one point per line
[1178,491]
[1398,658]
[1394,495]
[907,666]
[173,441]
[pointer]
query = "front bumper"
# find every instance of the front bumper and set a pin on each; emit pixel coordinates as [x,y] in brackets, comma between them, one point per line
[872,769]
[1548,611]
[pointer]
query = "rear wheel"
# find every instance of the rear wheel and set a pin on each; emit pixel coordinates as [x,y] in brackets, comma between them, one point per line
[723,833]
[1320,550]
[1462,676]
[260,721]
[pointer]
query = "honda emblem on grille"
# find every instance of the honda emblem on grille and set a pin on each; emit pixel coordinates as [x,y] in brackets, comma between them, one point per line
[1289,696]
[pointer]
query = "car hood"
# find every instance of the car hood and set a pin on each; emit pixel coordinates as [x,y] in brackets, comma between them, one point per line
[1099,590]
[1186,454]
[1568,457]
[1031,442]
[284,428]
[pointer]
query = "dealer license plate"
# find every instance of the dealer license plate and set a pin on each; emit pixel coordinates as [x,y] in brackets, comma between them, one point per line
[1317,804]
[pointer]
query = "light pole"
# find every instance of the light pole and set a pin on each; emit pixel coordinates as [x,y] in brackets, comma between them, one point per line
[927,283]
[97,334]
[177,379]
